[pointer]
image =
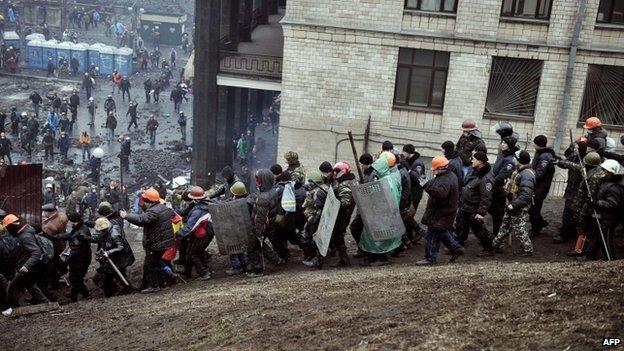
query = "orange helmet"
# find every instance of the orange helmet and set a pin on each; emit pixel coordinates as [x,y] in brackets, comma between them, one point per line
[439,162]
[151,195]
[592,122]
[390,158]
[9,219]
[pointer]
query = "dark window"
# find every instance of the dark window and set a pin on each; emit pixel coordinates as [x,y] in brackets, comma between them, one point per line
[513,87]
[421,78]
[536,9]
[432,5]
[604,94]
[611,11]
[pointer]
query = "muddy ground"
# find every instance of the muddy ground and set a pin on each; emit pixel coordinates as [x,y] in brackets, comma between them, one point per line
[496,303]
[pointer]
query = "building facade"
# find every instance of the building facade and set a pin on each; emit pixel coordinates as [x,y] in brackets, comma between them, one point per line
[418,68]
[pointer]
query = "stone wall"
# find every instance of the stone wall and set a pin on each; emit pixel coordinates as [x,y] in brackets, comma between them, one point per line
[340,67]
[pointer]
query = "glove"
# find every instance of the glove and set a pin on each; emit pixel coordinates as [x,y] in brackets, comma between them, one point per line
[23,270]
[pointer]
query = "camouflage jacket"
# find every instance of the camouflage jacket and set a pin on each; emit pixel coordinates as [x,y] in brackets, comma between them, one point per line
[581,203]
[342,190]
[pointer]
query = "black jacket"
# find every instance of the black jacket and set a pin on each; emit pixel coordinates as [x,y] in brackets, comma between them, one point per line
[525,180]
[74,100]
[476,195]
[467,143]
[264,204]
[118,250]
[455,164]
[5,146]
[502,169]
[406,189]
[544,167]
[9,251]
[610,202]
[442,204]
[156,223]
[80,245]
[29,253]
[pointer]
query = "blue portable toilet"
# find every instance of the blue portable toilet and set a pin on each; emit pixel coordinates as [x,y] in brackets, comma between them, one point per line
[94,54]
[12,39]
[63,50]
[49,52]
[107,60]
[34,54]
[123,61]
[79,51]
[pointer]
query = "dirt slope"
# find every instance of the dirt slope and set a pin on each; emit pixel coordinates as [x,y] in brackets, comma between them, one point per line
[489,305]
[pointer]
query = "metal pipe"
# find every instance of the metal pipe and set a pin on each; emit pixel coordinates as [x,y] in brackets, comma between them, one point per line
[567,89]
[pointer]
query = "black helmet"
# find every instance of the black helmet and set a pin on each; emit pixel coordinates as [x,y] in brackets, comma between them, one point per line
[511,140]
[504,129]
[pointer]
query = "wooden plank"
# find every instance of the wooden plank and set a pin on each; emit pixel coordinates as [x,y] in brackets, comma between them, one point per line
[35,309]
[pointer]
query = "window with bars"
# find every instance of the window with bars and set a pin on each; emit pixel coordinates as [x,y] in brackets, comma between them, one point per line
[533,9]
[514,84]
[611,11]
[604,94]
[421,78]
[449,6]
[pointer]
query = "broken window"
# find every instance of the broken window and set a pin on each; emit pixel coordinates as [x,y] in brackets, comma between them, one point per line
[535,9]
[513,87]
[421,78]
[611,11]
[604,94]
[432,5]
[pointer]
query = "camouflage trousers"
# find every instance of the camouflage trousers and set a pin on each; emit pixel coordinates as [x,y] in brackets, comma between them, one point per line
[514,224]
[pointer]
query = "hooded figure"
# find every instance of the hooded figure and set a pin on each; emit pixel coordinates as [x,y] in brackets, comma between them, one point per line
[384,172]
[264,209]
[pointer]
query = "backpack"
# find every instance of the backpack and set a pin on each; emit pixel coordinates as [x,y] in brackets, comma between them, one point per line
[289,203]
[47,248]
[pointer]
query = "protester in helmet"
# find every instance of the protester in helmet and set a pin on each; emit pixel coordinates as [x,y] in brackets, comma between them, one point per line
[199,226]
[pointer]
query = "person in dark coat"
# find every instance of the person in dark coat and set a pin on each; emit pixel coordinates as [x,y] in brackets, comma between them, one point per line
[455,162]
[264,204]
[111,244]
[474,203]
[544,167]
[132,112]
[5,148]
[29,262]
[198,226]
[79,257]
[36,100]
[470,141]
[125,88]
[519,190]
[441,211]
[63,144]
[568,228]
[148,86]
[608,206]
[504,166]
[157,236]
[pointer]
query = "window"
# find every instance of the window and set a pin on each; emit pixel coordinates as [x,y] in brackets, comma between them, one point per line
[535,9]
[432,5]
[513,87]
[421,78]
[604,94]
[611,11]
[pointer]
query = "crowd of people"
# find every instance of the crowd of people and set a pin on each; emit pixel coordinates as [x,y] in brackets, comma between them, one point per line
[286,207]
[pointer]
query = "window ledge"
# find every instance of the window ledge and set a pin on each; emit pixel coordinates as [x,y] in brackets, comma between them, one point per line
[525,20]
[437,111]
[609,26]
[430,13]
[616,127]
[507,117]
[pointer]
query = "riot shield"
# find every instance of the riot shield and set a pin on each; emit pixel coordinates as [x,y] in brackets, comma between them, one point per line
[323,234]
[379,210]
[232,226]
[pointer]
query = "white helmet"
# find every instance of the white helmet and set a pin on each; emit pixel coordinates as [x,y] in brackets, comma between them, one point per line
[612,166]
[24,114]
